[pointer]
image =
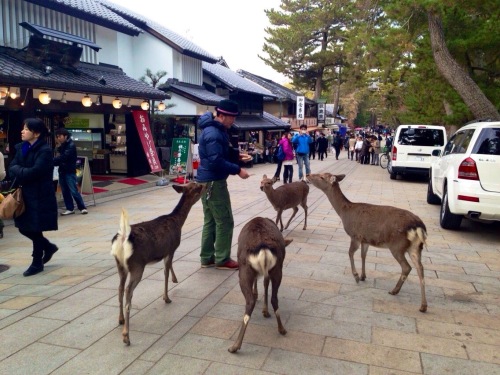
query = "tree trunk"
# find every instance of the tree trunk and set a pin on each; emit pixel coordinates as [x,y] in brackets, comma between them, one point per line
[456,76]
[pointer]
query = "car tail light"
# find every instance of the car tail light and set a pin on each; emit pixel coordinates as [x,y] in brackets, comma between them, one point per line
[468,170]
[467,198]
[394,152]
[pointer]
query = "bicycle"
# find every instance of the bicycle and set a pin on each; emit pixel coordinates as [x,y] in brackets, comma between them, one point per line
[385,158]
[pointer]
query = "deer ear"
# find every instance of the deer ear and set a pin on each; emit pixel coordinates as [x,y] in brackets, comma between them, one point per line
[265,176]
[340,177]
[288,241]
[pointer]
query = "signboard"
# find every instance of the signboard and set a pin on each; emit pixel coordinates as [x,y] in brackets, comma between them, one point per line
[301,107]
[141,120]
[179,158]
[321,112]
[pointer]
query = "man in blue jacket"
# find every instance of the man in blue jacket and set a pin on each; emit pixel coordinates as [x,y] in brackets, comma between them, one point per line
[301,142]
[218,160]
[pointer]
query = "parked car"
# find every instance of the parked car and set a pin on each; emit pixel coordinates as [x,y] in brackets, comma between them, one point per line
[412,149]
[465,177]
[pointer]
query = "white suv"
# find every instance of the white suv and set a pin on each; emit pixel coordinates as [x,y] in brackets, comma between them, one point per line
[412,149]
[465,179]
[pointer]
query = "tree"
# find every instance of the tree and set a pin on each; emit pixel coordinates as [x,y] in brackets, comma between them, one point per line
[154,80]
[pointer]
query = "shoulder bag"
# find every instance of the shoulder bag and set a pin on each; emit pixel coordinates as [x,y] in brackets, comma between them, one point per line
[12,205]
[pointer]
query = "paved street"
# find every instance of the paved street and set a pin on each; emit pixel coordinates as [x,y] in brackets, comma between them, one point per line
[65,320]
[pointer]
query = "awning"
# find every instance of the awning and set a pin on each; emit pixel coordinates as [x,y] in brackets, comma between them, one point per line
[255,122]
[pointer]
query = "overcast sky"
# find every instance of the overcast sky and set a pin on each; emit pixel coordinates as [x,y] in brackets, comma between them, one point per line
[229,28]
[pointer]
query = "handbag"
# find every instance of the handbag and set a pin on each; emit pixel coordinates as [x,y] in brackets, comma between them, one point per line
[12,205]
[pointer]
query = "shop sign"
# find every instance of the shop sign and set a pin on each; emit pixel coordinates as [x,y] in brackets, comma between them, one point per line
[142,124]
[180,155]
[321,112]
[301,107]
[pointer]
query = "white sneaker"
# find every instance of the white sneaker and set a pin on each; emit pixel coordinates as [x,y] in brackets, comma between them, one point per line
[84,211]
[67,212]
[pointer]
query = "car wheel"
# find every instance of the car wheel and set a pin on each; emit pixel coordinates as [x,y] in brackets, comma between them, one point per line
[447,219]
[392,175]
[431,197]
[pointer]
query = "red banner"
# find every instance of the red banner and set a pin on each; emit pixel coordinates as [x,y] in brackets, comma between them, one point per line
[141,120]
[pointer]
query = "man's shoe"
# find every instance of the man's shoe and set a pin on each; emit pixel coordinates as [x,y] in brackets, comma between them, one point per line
[51,250]
[67,212]
[84,211]
[228,265]
[208,264]
[33,270]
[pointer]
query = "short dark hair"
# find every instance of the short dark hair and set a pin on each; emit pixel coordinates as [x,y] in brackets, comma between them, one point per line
[303,126]
[36,125]
[62,131]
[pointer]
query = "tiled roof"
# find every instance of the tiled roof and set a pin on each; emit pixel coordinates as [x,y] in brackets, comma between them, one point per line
[92,11]
[280,91]
[173,39]
[234,80]
[15,71]
[254,122]
[195,93]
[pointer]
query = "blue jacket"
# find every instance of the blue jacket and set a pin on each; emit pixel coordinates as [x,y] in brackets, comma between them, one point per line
[215,152]
[302,141]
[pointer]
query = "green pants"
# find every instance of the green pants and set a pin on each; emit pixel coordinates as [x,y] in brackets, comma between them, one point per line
[218,223]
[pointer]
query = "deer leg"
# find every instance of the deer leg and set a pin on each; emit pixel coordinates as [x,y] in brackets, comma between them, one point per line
[295,209]
[278,218]
[135,278]
[122,272]
[265,309]
[416,256]
[254,290]
[168,266]
[247,277]
[304,206]
[174,278]
[405,269]
[352,249]
[276,282]
[364,251]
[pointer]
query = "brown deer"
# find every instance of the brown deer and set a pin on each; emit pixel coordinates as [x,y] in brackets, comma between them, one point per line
[261,251]
[286,196]
[135,246]
[382,226]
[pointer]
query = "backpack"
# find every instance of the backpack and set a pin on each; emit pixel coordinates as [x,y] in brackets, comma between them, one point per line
[280,155]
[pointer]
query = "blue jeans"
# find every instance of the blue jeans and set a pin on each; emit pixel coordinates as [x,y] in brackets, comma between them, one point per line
[70,191]
[301,160]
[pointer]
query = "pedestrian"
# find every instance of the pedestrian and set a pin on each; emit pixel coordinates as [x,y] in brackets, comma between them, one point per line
[364,154]
[302,142]
[32,168]
[357,148]
[376,150]
[276,176]
[216,164]
[286,144]
[66,161]
[2,177]
[337,144]
[312,147]
[322,146]
[352,143]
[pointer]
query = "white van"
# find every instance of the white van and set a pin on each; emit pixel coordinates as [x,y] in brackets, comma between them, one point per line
[412,149]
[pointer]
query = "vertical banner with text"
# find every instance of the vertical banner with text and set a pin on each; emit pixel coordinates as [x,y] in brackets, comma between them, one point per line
[141,120]
[180,156]
[301,107]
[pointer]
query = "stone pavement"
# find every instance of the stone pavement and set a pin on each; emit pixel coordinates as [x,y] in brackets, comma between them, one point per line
[65,320]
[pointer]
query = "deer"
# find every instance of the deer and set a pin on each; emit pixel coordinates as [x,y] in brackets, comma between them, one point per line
[381,226]
[261,251]
[286,196]
[136,245]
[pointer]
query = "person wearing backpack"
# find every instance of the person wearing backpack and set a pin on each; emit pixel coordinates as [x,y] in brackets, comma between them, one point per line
[279,157]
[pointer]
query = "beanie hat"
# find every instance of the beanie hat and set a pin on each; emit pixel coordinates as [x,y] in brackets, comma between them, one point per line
[228,107]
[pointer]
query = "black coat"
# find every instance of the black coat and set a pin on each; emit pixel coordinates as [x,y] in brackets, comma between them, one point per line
[34,172]
[66,161]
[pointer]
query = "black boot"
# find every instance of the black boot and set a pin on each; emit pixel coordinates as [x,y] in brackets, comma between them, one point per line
[49,251]
[36,267]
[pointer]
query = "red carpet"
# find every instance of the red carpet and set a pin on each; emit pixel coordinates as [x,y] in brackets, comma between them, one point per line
[132,181]
[103,178]
[99,190]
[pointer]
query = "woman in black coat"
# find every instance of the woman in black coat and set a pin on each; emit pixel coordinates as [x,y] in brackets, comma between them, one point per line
[32,168]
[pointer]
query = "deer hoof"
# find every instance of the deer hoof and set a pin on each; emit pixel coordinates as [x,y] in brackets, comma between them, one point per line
[423,308]
[167,300]
[126,340]
[362,278]
[266,314]
[392,292]
[121,321]
[233,349]
[283,331]
[356,277]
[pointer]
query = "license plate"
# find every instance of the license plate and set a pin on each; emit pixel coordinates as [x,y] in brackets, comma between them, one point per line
[419,158]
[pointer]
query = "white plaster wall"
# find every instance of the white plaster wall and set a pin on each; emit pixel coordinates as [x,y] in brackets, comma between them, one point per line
[183,106]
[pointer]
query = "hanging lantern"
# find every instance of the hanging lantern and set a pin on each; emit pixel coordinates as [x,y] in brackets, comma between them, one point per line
[86,101]
[117,103]
[161,106]
[44,97]
[145,105]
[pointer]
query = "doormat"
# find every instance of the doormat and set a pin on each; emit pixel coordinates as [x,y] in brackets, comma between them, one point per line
[103,178]
[99,190]
[132,181]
